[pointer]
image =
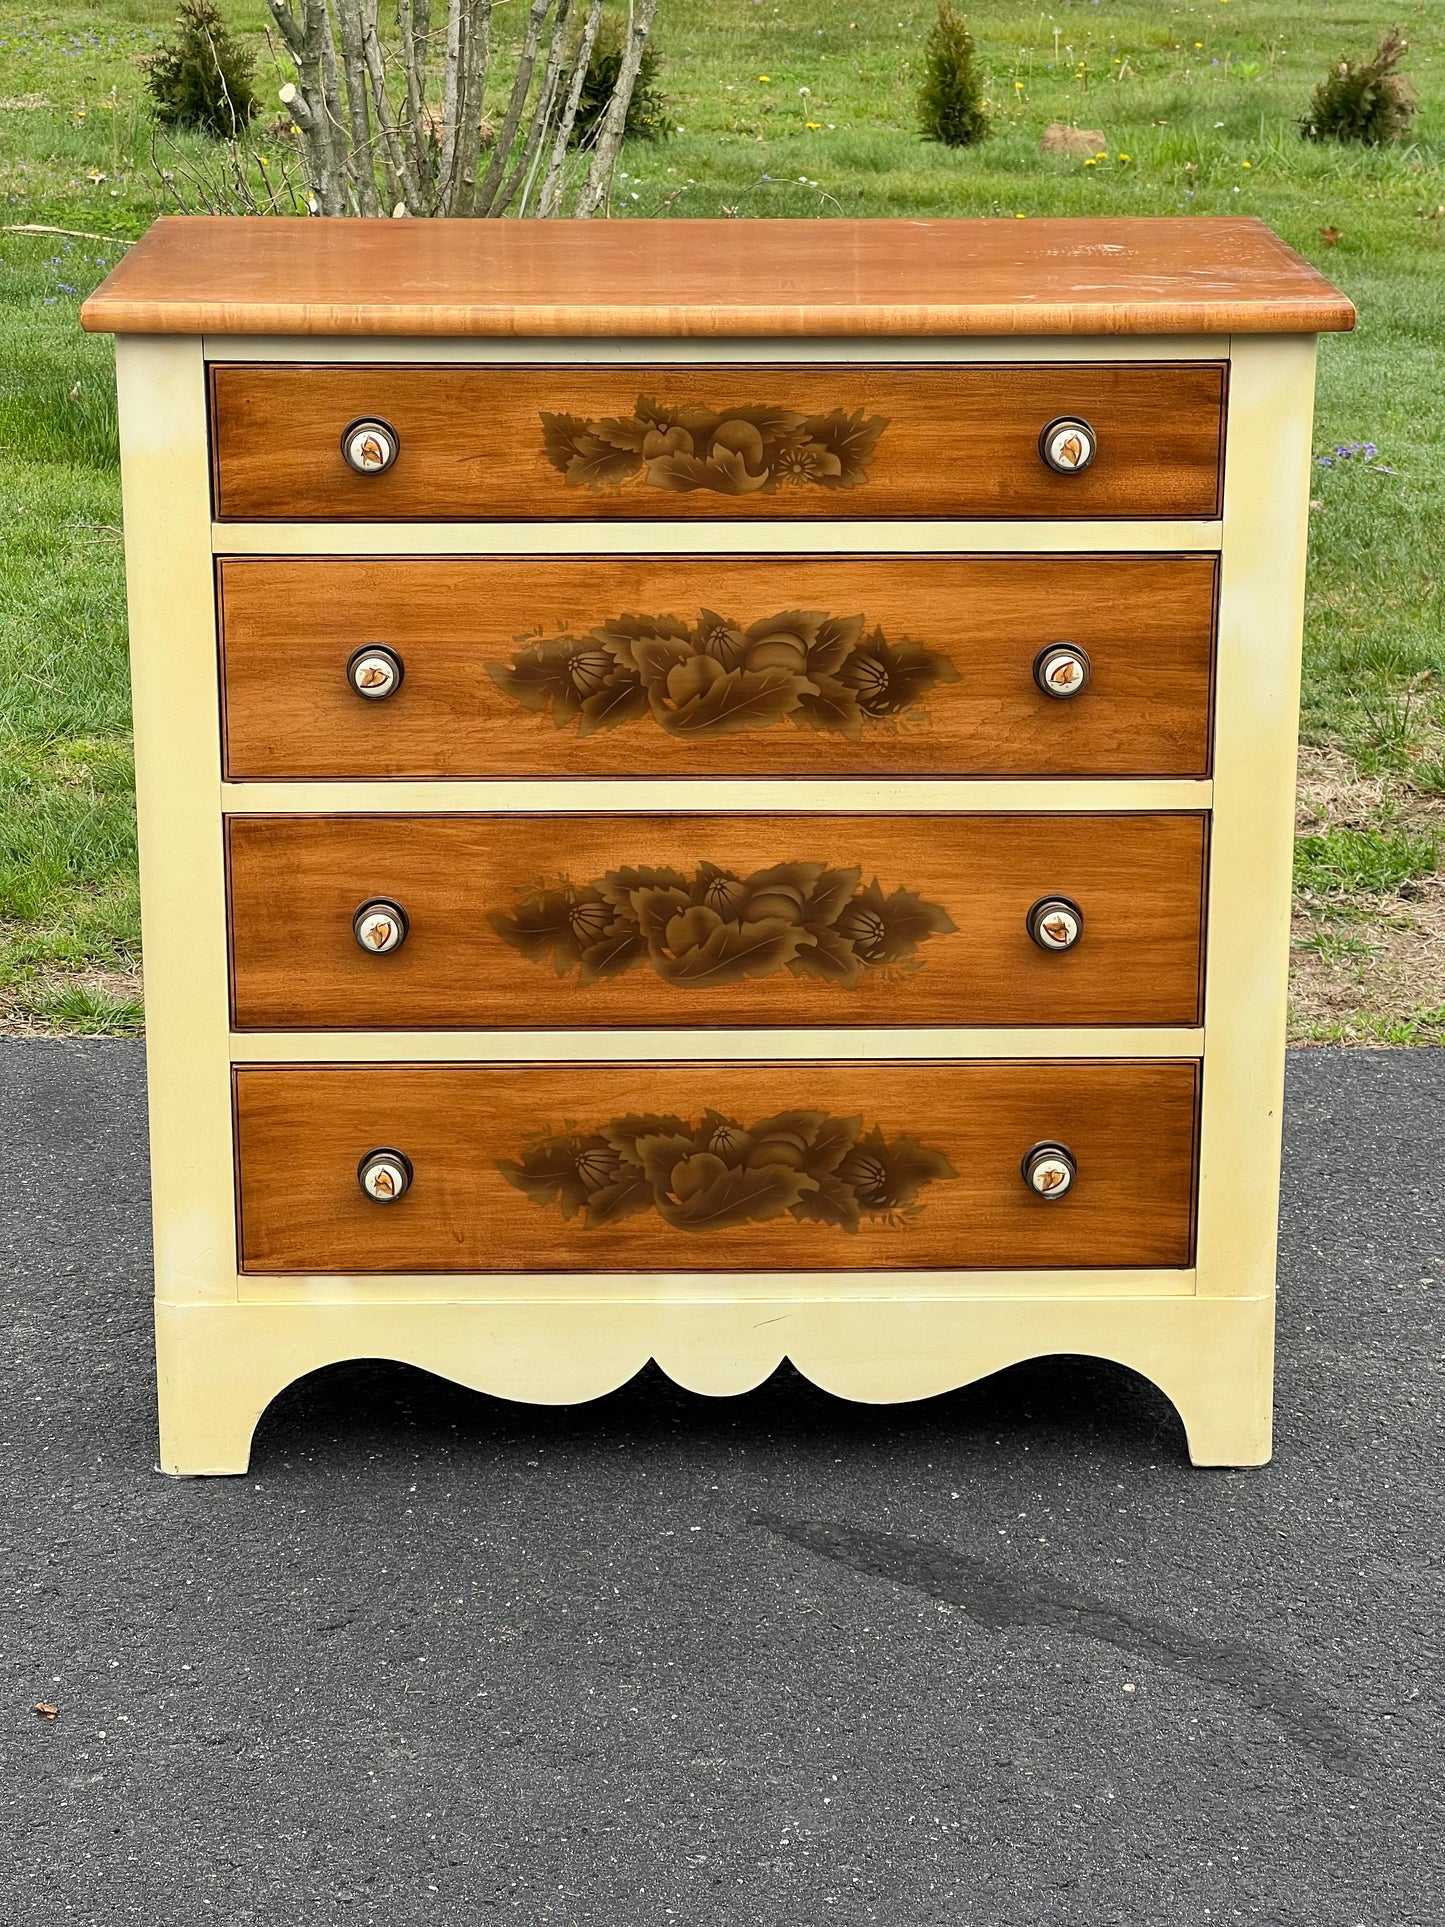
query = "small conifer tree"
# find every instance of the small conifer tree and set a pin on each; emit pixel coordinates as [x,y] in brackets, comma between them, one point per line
[648,115]
[1363,100]
[951,103]
[204,78]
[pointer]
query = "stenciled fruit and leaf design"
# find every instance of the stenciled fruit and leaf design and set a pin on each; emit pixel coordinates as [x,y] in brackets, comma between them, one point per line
[715,927]
[717,677]
[730,451]
[711,1175]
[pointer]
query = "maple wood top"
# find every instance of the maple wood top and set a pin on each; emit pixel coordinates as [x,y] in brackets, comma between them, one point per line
[1175,275]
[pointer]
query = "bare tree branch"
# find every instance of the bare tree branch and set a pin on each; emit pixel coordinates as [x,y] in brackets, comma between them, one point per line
[521,87]
[413,18]
[363,170]
[399,177]
[370,136]
[551,195]
[614,121]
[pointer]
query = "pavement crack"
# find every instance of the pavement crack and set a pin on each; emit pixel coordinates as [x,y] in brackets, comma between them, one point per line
[994,1597]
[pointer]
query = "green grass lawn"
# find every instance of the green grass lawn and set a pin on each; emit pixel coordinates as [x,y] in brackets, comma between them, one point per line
[804,107]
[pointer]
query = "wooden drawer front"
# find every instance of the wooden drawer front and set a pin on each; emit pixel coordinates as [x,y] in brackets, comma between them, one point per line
[716,1167]
[539,921]
[910,666]
[791,442]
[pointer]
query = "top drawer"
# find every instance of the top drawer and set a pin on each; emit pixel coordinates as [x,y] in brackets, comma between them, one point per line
[788,442]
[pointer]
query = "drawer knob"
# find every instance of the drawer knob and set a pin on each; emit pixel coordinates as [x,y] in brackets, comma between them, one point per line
[379,926]
[1068,445]
[370,447]
[1056,923]
[375,672]
[1062,670]
[1049,1171]
[384,1175]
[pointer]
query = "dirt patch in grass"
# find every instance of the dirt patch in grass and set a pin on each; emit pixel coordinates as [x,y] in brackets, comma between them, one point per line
[88,1003]
[1368,966]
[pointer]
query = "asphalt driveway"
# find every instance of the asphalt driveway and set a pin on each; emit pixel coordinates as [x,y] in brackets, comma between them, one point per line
[1002,1658]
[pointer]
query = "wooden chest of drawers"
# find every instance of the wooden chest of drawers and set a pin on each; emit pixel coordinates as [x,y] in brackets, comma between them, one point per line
[682,824]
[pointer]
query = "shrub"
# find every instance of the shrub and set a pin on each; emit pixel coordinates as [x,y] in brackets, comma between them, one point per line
[951,103]
[1363,100]
[203,78]
[648,116]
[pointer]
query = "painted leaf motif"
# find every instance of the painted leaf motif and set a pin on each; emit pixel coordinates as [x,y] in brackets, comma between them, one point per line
[621,701]
[625,431]
[619,886]
[620,632]
[832,1203]
[539,927]
[716,927]
[821,1141]
[655,909]
[703,951]
[887,1175]
[719,1173]
[831,706]
[561,435]
[831,957]
[724,472]
[654,415]
[656,656]
[660,1156]
[548,1174]
[851,438]
[830,891]
[623,1199]
[719,1196]
[773,424]
[704,699]
[537,678]
[908,921]
[802,624]
[597,464]
[611,955]
[843,680]
[624,1133]
[836,636]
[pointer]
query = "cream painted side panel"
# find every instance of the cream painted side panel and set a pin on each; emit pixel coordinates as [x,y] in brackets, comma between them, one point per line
[169,582]
[1261,614]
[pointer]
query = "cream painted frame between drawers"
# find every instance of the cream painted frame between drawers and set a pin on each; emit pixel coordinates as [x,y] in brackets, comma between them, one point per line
[226,1344]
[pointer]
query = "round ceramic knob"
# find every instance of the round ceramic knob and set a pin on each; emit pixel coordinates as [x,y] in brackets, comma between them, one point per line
[1068,445]
[384,1175]
[1049,1170]
[1062,670]
[379,926]
[1056,923]
[375,672]
[370,447]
